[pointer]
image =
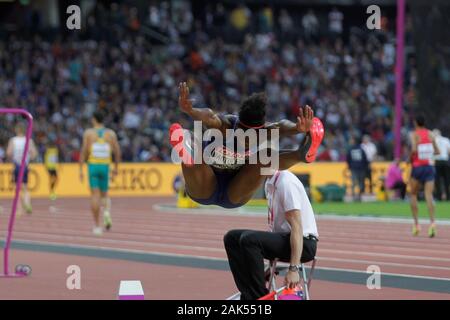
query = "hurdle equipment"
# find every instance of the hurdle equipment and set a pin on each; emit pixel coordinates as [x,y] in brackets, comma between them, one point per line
[131,290]
[20,270]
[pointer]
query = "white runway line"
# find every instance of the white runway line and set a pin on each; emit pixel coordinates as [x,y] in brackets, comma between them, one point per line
[262,212]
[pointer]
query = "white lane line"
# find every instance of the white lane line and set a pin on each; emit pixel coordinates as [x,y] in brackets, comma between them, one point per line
[387,255]
[323,216]
[114,241]
[123,250]
[384,273]
[176,246]
[382,263]
[336,217]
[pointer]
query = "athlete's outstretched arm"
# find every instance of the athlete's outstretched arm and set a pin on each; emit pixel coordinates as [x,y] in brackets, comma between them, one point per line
[208,117]
[289,128]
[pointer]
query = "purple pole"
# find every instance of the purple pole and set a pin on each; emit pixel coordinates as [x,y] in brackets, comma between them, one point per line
[399,77]
[18,185]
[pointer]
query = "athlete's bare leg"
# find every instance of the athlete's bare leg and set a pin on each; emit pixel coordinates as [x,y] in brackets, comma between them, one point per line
[428,189]
[95,206]
[414,187]
[200,180]
[53,182]
[106,203]
[25,199]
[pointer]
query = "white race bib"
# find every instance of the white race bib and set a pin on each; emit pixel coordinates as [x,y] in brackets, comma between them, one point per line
[101,150]
[425,151]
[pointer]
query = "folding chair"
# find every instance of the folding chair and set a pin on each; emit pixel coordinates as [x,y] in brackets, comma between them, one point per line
[271,273]
[274,270]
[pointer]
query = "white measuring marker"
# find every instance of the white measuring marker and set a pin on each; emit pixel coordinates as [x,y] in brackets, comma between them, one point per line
[131,290]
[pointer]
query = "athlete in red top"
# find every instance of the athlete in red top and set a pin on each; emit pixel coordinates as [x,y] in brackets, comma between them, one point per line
[423,150]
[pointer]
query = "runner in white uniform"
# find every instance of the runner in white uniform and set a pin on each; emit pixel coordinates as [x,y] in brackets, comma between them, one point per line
[14,152]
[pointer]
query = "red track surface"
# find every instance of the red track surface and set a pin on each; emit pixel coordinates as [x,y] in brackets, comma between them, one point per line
[350,245]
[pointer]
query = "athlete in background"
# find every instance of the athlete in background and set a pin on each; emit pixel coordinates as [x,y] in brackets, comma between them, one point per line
[98,145]
[51,160]
[424,148]
[14,152]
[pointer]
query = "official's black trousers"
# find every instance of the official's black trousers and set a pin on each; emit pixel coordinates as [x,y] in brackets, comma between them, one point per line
[246,251]
[442,180]
[401,186]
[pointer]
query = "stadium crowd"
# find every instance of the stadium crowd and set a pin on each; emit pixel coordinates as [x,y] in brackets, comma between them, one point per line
[224,55]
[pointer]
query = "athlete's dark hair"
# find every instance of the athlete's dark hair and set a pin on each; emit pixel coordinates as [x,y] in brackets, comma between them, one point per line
[253,110]
[98,115]
[420,120]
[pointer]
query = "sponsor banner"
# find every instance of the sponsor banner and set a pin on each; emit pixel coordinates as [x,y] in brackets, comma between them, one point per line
[133,180]
[157,179]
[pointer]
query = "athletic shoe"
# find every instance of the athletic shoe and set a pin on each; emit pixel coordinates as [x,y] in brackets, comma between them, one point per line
[107,221]
[312,141]
[97,231]
[432,231]
[415,230]
[52,196]
[187,151]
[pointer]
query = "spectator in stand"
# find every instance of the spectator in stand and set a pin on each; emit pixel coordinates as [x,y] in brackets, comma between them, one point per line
[335,23]
[240,18]
[62,81]
[394,179]
[310,25]
[2,154]
[266,20]
[286,23]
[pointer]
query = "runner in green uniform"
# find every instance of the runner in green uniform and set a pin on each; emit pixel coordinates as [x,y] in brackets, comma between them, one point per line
[98,145]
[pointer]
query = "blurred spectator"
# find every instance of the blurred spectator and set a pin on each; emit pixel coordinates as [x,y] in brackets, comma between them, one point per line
[219,17]
[394,179]
[285,21]
[2,154]
[357,164]
[240,17]
[265,20]
[335,22]
[62,81]
[442,164]
[310,25]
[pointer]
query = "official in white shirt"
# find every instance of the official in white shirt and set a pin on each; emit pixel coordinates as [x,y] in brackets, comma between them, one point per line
[292,237]
[371,151]
[442,165]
